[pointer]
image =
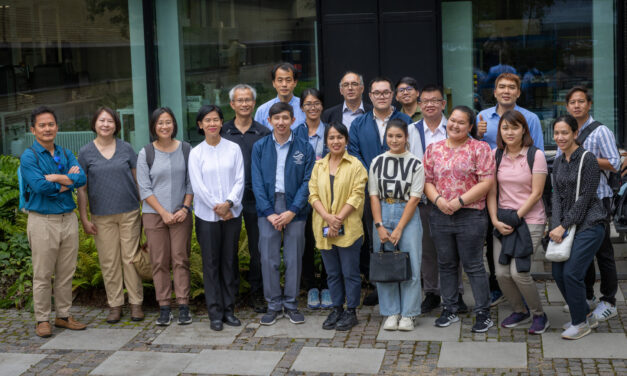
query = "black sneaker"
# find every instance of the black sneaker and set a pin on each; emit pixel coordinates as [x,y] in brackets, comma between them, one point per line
[331,321]
[347,320]
[461,305]
[165,316]
[270,317]
[446,318]
[483,322]
[295,316]
[184,316]
[372,298]
[431,302]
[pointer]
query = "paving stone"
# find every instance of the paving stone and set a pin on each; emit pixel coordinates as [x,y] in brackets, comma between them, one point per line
[556,315]
[91,339]
[553,293]
[312,328]
[235,362]
[144,363]
[16,363]
[483,355]
[594,345]
[197,334]
[424,330]
[338,360]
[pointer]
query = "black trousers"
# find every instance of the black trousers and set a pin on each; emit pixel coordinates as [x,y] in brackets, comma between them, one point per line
[218,244]
[308,274]
[489,240]
[607,265]
[366,247]
[254,273]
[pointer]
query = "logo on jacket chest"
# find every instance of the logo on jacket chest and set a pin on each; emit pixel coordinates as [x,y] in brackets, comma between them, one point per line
[299,157]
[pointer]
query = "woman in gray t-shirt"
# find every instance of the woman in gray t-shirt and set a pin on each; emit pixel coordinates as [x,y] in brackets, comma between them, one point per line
[111,190]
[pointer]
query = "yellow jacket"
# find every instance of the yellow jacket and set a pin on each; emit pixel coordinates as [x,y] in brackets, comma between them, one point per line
[348,188]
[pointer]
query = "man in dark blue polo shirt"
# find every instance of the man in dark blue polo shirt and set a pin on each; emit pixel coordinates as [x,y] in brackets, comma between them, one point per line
[50,174]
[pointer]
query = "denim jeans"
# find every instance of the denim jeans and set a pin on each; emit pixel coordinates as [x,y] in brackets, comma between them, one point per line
[402,298]
[569,275]
[343,278]
[461,237]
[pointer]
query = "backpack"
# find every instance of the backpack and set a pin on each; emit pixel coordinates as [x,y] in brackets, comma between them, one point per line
[548,186]
[613,178]
[150,154]
[25,190]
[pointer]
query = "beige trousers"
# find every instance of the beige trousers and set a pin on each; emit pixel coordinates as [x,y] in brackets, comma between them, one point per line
[53,242]
[117,241]
[516,286]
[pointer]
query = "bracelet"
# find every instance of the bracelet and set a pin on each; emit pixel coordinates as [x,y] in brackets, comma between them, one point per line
[461,201]
[189,210]
[435,202]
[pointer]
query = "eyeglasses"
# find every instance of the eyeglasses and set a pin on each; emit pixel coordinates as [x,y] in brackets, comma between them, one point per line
[381,94]
[354,85]
[404,90]
[244,100]
[57,160]
[432,101]
[309,105]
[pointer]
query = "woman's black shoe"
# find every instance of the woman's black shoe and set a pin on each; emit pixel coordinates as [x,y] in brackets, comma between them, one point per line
[216,325]
[334,316]
[230,320]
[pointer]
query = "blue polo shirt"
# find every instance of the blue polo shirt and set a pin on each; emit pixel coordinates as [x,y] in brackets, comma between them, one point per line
[281,156]
[261,116]
[492,118]
[44,195]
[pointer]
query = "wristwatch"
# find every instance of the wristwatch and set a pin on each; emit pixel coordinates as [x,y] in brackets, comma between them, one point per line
[378,224]
[230,203]
[189,210]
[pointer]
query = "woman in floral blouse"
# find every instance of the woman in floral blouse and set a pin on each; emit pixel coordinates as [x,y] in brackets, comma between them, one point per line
[458,175]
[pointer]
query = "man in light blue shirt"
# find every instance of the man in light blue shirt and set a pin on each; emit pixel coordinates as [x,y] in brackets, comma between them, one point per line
[284,81]
[506,92]
[281,156]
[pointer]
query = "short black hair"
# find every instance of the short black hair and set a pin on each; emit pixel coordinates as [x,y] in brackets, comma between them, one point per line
[39,111]
[114,115]
[379,79]
[430,88]
[469,112]
[339,127]
[568,119]
[279,107]
[203,111]
[398,123]
[286,67]
[576,89]
[313,92]
[410,81]
[154,117]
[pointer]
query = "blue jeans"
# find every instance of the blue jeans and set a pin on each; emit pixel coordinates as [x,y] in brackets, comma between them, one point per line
[569,275]
[343,278]
[461,237]
[402,298]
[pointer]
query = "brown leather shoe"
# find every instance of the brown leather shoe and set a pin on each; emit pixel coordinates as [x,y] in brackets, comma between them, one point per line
[43,329]
[115,313]
[136,312]
[69,324]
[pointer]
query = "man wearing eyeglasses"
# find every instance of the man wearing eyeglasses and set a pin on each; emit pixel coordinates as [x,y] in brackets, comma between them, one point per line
[245,131]
[366,140]
[351,88]
[50,173]
[407,93]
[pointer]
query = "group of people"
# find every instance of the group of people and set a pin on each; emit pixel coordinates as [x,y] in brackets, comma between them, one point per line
[352,179]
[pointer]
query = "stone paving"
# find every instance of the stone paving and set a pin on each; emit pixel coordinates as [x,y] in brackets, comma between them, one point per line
[130,348]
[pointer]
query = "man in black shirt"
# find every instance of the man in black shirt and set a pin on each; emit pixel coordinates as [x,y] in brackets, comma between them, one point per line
[244,131]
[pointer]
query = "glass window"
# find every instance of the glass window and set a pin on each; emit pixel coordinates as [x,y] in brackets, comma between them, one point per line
[551,45]
[229,42]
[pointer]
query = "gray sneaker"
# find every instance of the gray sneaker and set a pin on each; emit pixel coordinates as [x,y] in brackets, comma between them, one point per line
[295,316]
[576,331]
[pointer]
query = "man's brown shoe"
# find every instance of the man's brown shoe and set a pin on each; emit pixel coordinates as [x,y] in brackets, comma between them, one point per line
[136,312]
[69,323]
[43,329]
[115,313]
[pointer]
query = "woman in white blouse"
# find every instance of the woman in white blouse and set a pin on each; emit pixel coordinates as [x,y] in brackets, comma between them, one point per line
[216,171]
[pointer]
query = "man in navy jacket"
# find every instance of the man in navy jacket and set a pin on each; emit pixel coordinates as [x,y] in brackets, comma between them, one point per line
[281,168]
[366,141]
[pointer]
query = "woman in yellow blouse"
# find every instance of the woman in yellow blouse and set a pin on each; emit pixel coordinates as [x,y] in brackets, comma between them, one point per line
[336,192]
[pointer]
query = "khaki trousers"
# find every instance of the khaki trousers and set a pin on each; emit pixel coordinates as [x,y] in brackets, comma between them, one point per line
[516,286]
[169,245]
[117,241]
[53,241]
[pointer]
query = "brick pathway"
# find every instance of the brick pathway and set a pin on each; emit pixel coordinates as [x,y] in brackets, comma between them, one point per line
[129,348]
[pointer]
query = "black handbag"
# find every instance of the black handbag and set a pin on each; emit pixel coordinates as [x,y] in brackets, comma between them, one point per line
[391,266]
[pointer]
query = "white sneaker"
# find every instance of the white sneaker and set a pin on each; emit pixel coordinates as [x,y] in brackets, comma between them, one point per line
[391,323]
[592,322]
[592,303]
[604,311]
[576,331]
[406,324]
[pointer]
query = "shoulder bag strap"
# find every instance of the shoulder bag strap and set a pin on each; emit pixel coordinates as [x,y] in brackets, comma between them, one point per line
[579,175]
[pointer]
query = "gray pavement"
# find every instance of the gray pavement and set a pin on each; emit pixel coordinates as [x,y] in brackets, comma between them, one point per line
[130,348]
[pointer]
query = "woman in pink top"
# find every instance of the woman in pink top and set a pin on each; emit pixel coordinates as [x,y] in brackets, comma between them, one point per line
[458,175]
[518,192]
